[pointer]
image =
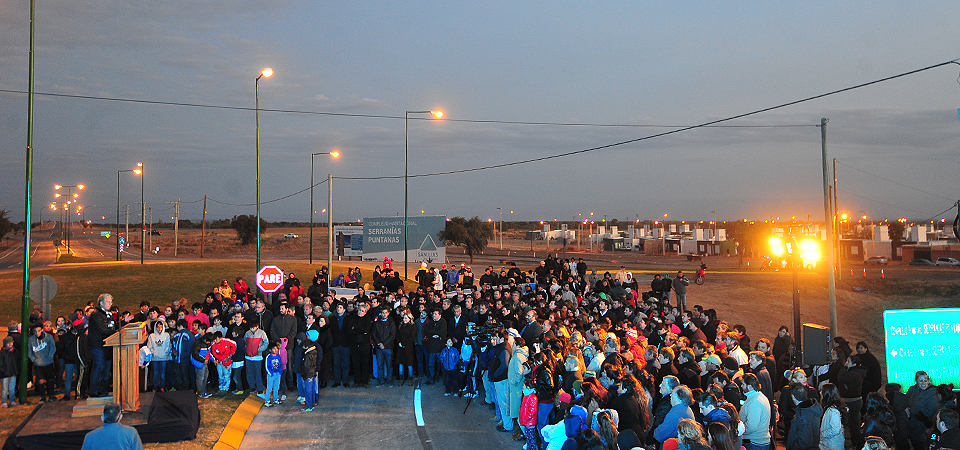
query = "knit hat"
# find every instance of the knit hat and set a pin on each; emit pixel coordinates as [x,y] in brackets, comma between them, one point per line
[313,335]
[730,363]
[671,444]
[513,332]
[714,359]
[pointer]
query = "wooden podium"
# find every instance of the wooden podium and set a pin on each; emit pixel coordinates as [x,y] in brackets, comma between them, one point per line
[126,364]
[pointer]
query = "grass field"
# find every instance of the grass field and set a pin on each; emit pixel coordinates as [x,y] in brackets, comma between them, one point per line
[130,283]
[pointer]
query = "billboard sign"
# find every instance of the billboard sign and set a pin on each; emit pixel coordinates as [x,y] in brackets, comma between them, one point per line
[348,240]
[383,237]
[922,339]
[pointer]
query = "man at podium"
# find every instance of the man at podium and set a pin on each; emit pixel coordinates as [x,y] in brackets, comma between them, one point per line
[102,325]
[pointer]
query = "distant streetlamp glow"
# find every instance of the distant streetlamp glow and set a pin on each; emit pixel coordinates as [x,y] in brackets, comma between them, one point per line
[406,179]
[335,154]
[265,73]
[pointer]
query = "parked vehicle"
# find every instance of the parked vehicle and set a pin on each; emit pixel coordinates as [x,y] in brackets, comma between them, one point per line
[921,262]
[156,232]
[701,274]
[878,260]
[291,236]
[943,261]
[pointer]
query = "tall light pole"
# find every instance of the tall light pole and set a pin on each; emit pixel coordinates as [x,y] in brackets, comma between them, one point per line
[334,154]
[143,211]
[406,178]
[268,72]
[663,233]
[72,198]
[118,211]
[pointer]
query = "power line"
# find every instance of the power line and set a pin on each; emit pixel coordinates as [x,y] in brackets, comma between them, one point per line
[385,116]
[893,181]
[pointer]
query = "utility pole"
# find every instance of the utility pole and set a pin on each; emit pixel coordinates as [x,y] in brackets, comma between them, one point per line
[203,225]
[329,226]
[151,227]
[836,225]
[831,279]
[126,233]
[176,224]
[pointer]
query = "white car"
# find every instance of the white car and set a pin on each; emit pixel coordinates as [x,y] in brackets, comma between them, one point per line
[291,236]
[947,262]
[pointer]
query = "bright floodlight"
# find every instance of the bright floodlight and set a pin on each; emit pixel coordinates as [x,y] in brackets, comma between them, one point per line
[267,73]
[138,171]
[80,186]
[810,250]
[57,186]
[438,114]
[335,154]
[776,246]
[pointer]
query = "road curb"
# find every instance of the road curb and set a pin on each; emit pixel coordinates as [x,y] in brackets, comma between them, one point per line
[238,425]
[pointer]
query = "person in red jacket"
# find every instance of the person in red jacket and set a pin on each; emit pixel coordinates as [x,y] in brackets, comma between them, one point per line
[528,415]
[222,354]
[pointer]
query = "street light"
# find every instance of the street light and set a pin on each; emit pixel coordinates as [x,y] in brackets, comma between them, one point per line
[335,154]
[807,250]
[69,196]
[118,210]
[143,212]
[268,72]
[406,177]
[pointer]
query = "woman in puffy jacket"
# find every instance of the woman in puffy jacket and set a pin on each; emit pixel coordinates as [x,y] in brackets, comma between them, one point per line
[529,408]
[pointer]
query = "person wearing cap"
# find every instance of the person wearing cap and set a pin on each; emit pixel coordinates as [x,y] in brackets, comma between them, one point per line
[308,369]
[709,366]
[113,434]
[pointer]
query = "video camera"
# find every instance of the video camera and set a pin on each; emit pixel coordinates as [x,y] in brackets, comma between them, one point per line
[483,333]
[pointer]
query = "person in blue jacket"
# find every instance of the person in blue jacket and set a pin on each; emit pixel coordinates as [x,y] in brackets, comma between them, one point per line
[450,359]
[680,401]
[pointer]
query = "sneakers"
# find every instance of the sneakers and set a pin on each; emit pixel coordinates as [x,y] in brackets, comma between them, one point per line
[262,395]
[3,405]
[301,400]
[307,409]
[268,404]
[237,392]
[206,395]
[446,394]
[283,398]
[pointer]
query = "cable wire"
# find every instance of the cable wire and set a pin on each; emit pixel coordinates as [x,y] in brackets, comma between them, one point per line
[384,116]
[892,181]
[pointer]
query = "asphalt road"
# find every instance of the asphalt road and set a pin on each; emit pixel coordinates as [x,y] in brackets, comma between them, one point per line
[377,418]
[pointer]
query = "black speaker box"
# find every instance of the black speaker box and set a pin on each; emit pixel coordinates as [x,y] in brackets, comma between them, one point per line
[816,344]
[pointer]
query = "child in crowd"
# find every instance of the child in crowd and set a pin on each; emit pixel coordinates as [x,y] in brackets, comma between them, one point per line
[181,348]
[450,359]
[223,351]
[256,342]
[311,354]
[274,369]
[528,414]
[200,358]
[159,344]
[9,364]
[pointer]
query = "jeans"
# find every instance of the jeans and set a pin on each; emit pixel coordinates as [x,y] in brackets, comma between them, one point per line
[853,417]
[159,374]
[237,369]
[310,392]
[488,393]
[341,364]
[752,446]
[543,416]
[223,377]
[408,370]
[362,364]
[433,365]
[451,380]
[99,370]
[69,374]
[421,351]
[254,378]
[273,387]
[385,363]
[502,389]
[201,379]
[682,301]
[9,390]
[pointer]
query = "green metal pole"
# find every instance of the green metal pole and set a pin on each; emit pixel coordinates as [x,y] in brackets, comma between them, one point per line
[311,206]
[257,91]
[28,200]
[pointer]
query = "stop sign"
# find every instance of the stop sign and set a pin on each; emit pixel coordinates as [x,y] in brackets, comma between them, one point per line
[270,278]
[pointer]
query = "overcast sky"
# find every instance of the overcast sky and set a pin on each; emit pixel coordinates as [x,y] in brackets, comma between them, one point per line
[602,63]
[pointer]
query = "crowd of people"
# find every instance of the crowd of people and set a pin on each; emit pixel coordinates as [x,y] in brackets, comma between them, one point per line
[563,356]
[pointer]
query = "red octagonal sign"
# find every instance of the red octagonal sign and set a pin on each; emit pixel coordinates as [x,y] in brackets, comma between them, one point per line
[270,279]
